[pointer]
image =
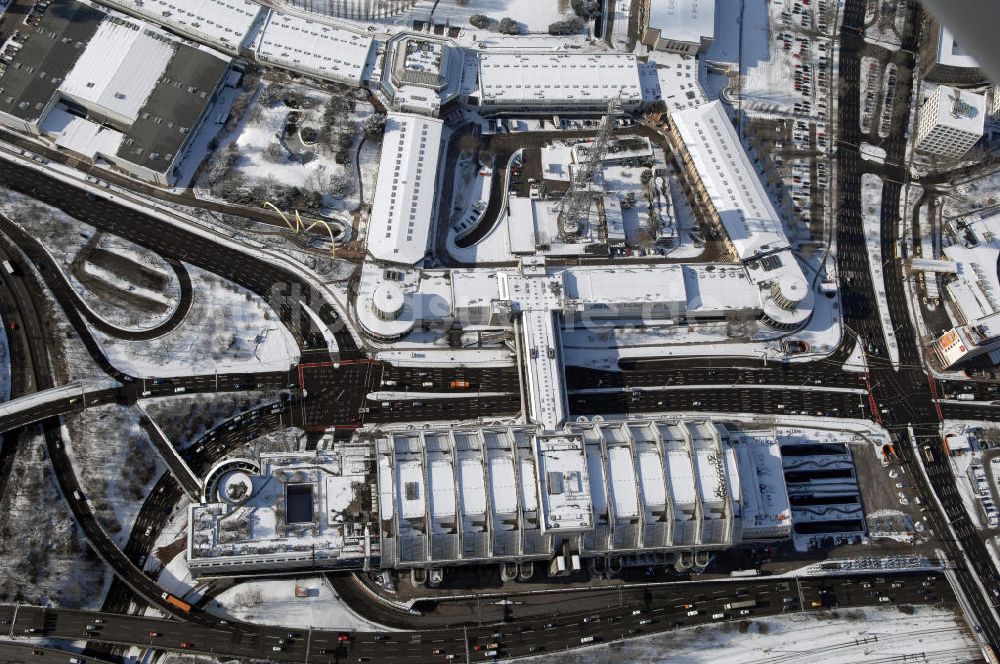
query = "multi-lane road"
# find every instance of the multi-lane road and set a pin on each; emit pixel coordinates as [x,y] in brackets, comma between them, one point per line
[331,390]
[554,622]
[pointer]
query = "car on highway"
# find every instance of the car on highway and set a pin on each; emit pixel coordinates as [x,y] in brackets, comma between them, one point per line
[438,651]
[341,637]
[186,644]
[692,612]
[153,635]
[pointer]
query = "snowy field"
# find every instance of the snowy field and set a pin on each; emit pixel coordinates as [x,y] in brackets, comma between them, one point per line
[229,329]
[843,637]
[43,556]
[273,602]
[115,464]
[974,195]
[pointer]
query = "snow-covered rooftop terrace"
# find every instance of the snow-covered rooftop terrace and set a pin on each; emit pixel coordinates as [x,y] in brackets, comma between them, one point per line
[296,510]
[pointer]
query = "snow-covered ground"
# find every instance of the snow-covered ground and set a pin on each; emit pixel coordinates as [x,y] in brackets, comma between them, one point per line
[263,125]
[972,196]
[115,464]
[65,238]
[927,634]
[273,602]
[871,213]
[43,556]
[229,329]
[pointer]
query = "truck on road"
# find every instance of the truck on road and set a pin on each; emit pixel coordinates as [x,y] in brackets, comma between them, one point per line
[176,601]
[745,604]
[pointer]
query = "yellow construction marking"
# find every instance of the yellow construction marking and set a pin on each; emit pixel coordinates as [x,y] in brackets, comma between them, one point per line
[281,214]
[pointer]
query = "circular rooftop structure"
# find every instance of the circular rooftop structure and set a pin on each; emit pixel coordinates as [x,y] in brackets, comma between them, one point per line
[790,290]
[387,301]
[235,487]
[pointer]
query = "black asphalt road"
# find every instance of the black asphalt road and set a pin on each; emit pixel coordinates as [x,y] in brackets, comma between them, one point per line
[569,618]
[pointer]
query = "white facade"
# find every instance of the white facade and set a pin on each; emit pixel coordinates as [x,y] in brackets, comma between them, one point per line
[950,122]
[405,193]
[557,80]
[680,26]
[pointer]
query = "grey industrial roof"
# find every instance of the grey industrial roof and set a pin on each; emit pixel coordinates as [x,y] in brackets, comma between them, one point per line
[46,57]
[173,108]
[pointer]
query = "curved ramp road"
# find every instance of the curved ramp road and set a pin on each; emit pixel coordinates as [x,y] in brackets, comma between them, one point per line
[277,285]
[55,278]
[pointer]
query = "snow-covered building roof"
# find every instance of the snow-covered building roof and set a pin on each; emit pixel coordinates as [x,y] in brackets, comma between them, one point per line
[293,510]
[950,53]
[729,180]
[222,23]
[81,135]
[539,298]
[563,483]
[554,79]
[956,109]
[611,285]
[688,21]
[405,192]
[455,494]
[326,51]
[118,69]
[976,290]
